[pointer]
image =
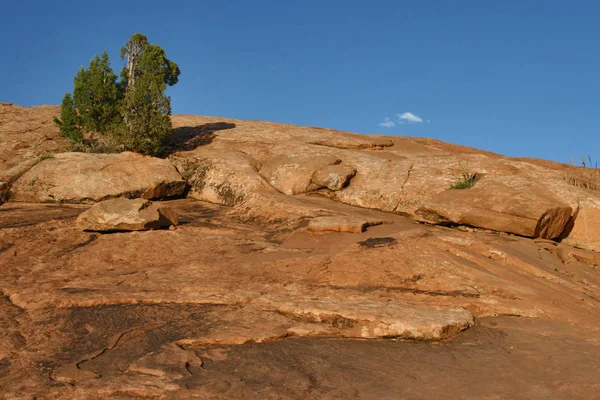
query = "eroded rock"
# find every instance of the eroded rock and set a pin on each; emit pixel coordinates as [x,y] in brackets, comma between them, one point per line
[85,178]
[223,177]
[495,206]
[127,215]
[342,224]
[292,174]
[586,230]
[333,177]
[375,319]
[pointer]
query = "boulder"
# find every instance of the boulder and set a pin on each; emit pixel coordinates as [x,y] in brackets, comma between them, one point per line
[126,215]
[333,177]
[342,224]
[85,178]
[292,174]
[496,206]
[586,230]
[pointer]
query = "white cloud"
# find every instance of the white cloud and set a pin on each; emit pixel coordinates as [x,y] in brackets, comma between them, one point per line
[387,123]
[409,117]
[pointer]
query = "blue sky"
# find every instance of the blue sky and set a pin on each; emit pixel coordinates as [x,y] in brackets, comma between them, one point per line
[520,78]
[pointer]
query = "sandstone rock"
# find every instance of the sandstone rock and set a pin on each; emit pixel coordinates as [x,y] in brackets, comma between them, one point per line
[292,174]
[222,176]
[4,191]
[355,142]
[565,253]
[126,215]
[492,205]
[376,319]
[341,224]
[334,177]
[586,230]
[83,177]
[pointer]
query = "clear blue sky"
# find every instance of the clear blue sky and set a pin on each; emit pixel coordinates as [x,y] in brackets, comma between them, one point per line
[518,77]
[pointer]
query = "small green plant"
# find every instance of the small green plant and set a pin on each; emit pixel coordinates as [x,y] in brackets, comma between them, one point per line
[586,176]
[466,179]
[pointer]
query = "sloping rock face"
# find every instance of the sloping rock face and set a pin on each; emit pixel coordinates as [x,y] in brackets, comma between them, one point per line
[126,215]
[174,313]
[531,212]
[401,175]
[84,178]
[27,134]
[261,294]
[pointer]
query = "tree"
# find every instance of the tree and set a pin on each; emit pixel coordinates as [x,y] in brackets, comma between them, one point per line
[146,109]
[96,95]
[69,120]
[134,111]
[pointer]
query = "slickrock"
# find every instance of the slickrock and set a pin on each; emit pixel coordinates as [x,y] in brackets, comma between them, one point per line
[586,229]
[85,178]
[333,177]
[342,224]
[263,294]
[222,176]
[126,215]
[531,212]
[361,318]
[292,174]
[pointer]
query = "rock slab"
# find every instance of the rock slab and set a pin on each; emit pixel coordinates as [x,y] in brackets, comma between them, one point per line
[126,215]
[342,224]
[88,178]
[495,206]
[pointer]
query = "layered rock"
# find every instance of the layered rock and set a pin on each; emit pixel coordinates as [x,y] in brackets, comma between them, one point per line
[496,206]
[352,224]
[222,176]
[127,215]
[292,174]
[333,177]
[585,232]
[86,178]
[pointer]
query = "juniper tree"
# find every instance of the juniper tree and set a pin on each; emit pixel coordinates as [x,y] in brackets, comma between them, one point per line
[146,109]
[69,120]
[135,110]
[96,95]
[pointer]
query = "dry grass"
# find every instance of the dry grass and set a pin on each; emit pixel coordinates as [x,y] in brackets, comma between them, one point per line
[586,176]
[466,179]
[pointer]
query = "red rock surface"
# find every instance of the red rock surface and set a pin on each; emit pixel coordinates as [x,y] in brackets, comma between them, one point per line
[245,300]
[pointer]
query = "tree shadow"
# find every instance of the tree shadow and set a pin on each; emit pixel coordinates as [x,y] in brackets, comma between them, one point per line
[187,138]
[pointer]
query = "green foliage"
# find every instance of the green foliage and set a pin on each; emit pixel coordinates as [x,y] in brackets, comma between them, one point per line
[466,179]
[95,95]
[146,109]
[134,111]
[69,120]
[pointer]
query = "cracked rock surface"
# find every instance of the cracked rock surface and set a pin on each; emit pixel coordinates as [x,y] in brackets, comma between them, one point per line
[222,308]
[297,270]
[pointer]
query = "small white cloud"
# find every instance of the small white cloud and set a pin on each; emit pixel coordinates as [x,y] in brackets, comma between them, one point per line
[387,123]
[409,117]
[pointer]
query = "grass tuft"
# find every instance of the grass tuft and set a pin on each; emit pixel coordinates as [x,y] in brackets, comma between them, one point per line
[586,176]
[466,179]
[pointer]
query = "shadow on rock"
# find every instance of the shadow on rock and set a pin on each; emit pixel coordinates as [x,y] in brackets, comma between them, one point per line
[187,138]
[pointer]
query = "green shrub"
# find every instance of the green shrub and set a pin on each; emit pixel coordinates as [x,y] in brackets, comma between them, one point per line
[134,111]
[466,179]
